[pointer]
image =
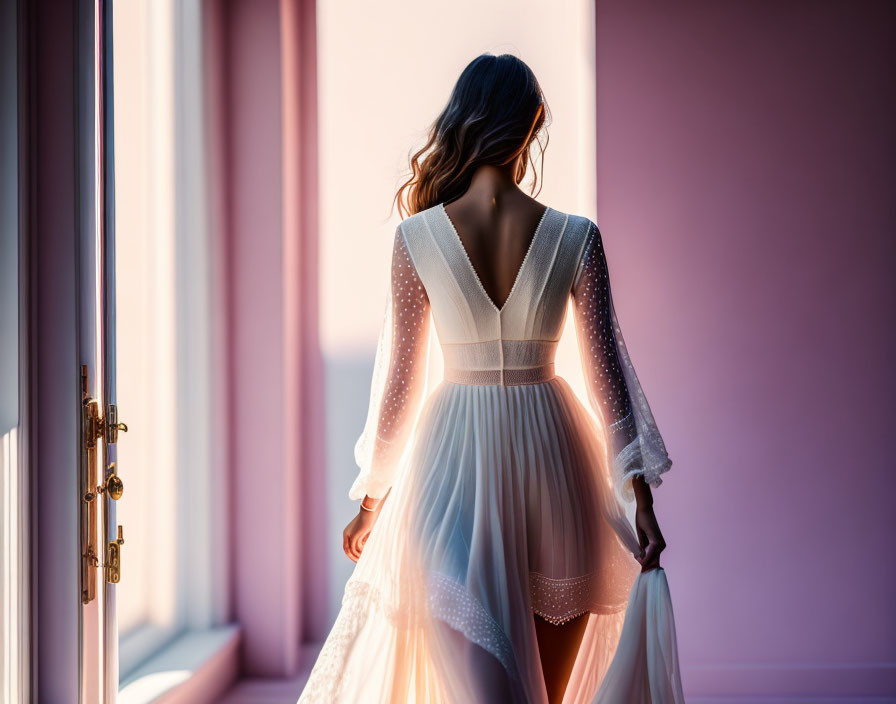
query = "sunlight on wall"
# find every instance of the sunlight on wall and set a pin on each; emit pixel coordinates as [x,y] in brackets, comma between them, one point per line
[146,311]
[14,549]
[12,561]
[386,70]
[170,381]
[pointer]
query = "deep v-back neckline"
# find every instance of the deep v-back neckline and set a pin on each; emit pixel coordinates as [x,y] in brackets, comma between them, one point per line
[466,256]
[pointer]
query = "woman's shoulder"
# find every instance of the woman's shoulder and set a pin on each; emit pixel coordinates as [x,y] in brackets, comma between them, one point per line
[421,220]
[421,214]
[581,228]
[576,220]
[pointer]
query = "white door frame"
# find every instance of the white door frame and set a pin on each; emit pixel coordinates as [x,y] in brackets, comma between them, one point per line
[58,137]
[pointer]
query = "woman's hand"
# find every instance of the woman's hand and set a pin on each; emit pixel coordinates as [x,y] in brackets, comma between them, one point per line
[358,530]
[649,538]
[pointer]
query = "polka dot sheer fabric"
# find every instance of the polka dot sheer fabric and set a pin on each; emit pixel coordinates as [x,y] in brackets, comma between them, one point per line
[399,378]
[613,388]
[400,369]
[505,497]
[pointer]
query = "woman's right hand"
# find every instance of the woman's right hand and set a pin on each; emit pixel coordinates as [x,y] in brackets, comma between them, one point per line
[358,530]
[649,538]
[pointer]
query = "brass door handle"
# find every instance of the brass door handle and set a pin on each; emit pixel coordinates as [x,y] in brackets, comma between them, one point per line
[113,486]
[111,426]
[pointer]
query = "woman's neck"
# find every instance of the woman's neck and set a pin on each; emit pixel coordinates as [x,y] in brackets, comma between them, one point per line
[492,184]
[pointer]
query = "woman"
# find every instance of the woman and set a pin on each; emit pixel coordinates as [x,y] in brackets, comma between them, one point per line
[494,555]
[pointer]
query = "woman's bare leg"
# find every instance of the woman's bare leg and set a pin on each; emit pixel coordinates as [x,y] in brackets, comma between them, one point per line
[558,647]
[476,676]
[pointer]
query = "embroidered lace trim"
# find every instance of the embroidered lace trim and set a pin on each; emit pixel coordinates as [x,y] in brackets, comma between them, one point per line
[555,600]
[448,601]
[326,677]
[560,600]
[453,603]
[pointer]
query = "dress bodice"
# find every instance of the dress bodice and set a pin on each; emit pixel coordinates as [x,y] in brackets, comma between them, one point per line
[433,281]
[480,341]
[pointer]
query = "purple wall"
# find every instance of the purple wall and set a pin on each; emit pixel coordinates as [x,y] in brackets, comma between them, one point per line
[745,171]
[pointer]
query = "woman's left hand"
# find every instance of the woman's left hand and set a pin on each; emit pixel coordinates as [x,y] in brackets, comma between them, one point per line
[650,538]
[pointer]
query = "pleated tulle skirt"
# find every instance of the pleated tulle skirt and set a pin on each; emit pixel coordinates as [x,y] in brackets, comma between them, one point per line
[503,508]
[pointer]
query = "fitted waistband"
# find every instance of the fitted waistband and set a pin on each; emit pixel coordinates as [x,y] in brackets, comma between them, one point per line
[498,377]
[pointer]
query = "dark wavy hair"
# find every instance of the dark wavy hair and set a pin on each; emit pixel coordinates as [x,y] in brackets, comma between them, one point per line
[490,118]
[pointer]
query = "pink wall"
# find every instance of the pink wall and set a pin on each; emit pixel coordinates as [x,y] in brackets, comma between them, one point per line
[269,117]
[265,536]
[300,186]
[745,170]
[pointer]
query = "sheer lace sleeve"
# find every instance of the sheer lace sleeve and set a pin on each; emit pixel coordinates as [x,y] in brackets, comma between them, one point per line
[634,442]
[399,378]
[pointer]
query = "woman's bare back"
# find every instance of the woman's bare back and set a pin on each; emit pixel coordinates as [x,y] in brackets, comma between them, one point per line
[496,237]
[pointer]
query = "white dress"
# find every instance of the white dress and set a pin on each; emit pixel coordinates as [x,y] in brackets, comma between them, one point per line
[506,496]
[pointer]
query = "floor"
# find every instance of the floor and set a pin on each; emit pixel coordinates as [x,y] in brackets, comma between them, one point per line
[287,692]
[266,691]
[274,691]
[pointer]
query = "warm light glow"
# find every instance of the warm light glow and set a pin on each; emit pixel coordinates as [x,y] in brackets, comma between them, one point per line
[386,70]
[384,77]
[12,532]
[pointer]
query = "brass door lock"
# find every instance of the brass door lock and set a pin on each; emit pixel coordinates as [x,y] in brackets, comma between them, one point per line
[97,433]
[113,558]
